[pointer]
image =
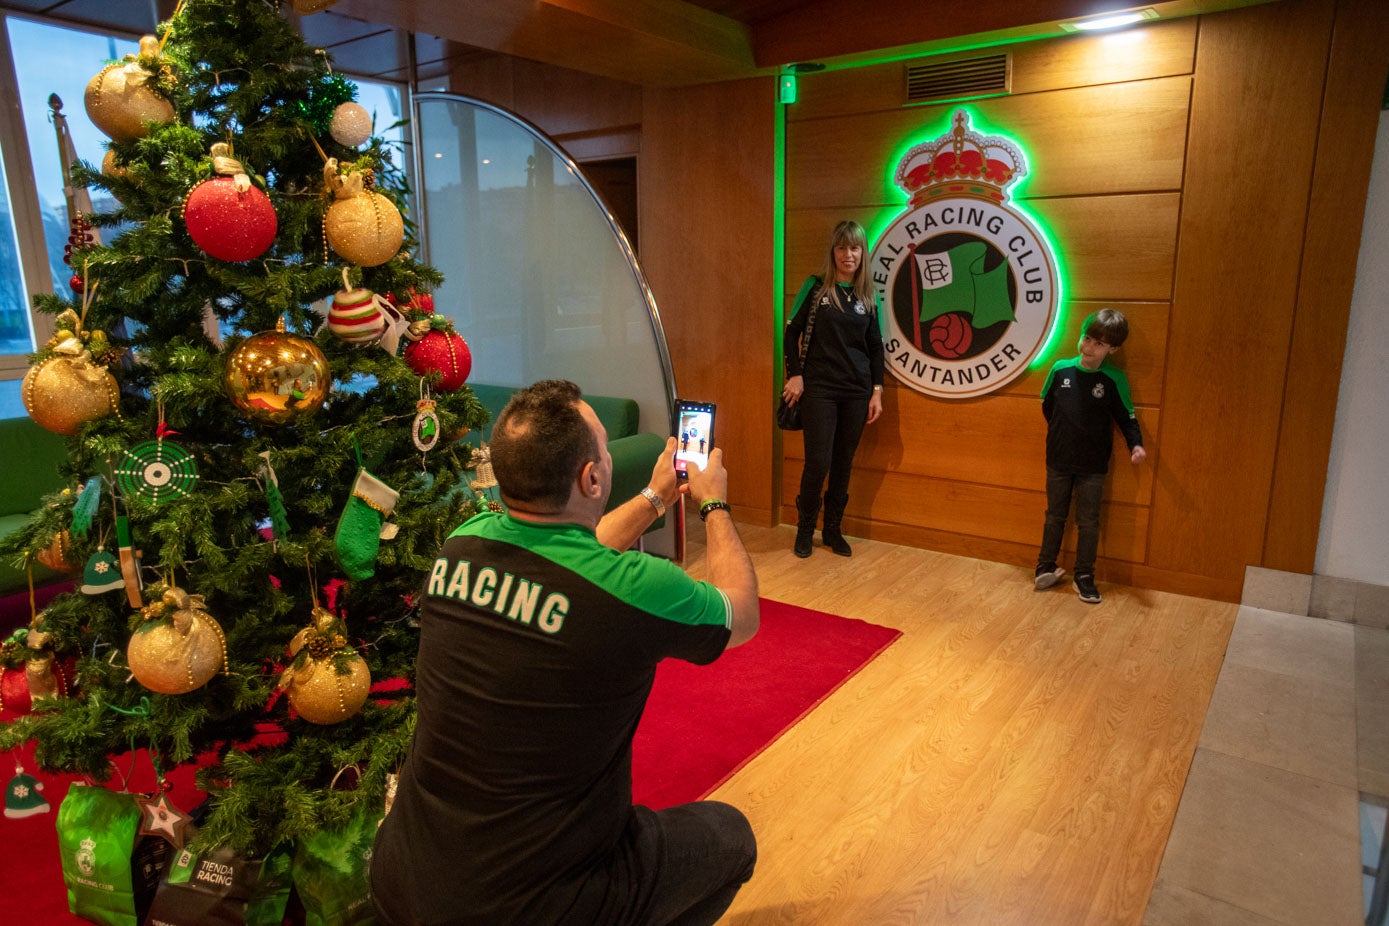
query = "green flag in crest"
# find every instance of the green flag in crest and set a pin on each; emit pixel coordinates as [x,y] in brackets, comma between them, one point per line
[956,281]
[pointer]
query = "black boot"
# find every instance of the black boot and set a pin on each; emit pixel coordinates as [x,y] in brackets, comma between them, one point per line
[805,526]
[834,514]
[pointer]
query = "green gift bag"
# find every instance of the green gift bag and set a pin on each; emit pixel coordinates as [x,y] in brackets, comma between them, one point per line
[331,876]
[220,888]
[111,872]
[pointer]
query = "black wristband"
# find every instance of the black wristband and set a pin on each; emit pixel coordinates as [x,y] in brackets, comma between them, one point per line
[713,504]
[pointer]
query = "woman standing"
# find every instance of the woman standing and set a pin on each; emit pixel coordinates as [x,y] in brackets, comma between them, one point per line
[838,383]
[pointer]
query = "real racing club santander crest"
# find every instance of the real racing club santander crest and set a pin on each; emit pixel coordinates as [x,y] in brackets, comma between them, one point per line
[967,285]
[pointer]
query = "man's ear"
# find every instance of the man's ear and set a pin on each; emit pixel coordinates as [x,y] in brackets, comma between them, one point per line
[589,483]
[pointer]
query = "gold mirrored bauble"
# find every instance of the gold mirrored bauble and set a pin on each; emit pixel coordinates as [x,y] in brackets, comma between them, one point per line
[168,660]
[63,393]
[123,108]
[365,229]
[320,695]
[274,377]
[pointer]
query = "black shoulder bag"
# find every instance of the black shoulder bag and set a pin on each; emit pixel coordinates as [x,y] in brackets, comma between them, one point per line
[788,414]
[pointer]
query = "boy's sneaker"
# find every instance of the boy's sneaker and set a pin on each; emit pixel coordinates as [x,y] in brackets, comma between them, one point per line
[1085,588]
[1047,576]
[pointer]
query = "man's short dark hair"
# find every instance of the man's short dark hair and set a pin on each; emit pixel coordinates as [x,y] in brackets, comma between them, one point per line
[539,443]
[1109,326]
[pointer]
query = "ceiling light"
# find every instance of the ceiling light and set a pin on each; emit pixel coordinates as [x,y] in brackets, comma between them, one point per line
[1109,20]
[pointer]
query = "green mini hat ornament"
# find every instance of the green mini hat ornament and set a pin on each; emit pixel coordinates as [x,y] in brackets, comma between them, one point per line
[103,574]
[22,797]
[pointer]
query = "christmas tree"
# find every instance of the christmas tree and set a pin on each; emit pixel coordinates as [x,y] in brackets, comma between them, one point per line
[237,461]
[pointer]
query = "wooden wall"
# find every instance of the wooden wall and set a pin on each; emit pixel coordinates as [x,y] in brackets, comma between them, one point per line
[706,183]
[1205,175]
[1176,168]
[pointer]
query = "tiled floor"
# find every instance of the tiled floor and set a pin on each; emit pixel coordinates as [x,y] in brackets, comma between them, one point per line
[1268,828]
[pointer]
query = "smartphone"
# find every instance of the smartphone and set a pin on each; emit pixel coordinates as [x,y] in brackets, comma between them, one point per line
[694,434]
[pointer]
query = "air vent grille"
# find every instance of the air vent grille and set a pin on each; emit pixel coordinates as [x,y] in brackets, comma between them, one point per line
[958,79]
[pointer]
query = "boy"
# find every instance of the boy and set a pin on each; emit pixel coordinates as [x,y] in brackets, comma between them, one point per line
[1080,397]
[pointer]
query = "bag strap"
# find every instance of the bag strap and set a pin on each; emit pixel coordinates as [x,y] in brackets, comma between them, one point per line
[806,287]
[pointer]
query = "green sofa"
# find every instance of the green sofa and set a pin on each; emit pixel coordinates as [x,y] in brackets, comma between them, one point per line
[31,457]
[634,452]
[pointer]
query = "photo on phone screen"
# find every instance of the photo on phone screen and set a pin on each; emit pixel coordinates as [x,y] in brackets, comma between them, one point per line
[694,433]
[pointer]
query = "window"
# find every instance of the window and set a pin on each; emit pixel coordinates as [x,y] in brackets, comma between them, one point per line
[47,60]
[52,59]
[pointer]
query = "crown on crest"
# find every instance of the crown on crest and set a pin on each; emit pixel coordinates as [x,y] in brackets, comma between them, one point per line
[961,163]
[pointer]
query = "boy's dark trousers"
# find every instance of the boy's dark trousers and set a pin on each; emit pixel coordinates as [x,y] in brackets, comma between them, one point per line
[1087,489]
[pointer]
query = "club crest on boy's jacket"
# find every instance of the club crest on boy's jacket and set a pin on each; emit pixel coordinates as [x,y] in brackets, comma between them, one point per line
[967,284]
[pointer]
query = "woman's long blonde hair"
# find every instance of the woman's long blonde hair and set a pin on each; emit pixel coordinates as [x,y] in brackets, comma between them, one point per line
[851,233]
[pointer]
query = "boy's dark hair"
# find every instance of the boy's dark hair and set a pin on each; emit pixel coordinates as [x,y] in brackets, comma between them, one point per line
[1109,326]
[539,443]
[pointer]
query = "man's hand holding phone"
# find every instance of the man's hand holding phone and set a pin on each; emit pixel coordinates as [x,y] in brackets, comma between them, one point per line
[708,483]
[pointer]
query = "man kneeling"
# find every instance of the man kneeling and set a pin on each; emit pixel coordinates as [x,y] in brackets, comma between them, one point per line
[539,640]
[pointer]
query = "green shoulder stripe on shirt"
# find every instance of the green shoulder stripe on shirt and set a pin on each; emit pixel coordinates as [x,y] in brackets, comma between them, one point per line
[1121,382]
[649,583]
[1057,367]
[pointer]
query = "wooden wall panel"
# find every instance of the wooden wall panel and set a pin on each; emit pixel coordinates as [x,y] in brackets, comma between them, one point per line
[1142,358]
[1117,248]
[1115,138]
[1160,50]
[1137,186]
[1355,78]
[1009,515]
[996,441]
[705,178]
[1241,239]
[559,101]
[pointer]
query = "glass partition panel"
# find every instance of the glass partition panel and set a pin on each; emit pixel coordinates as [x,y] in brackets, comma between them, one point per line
[539,278]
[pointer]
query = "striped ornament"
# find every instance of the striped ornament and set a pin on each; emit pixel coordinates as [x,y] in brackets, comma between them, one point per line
[356,316]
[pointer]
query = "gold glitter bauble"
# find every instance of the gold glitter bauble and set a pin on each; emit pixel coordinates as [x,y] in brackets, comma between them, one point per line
[320,695]
[63,393]
[110,168]
[274,377]
[121,100]
[178,654]
[365,229]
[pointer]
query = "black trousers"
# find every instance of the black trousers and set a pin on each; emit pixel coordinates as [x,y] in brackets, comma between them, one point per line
[832,431]
[1087,490]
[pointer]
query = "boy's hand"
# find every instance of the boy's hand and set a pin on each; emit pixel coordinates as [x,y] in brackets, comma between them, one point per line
[1138,455]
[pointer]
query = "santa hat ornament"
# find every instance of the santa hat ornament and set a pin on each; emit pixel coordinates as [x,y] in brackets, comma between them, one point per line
[228,216]
[103,574]
[22,797]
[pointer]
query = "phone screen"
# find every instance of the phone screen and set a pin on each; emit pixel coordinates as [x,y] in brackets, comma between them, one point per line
[694,434]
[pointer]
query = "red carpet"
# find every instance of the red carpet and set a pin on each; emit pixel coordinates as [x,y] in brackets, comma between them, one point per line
[702,724]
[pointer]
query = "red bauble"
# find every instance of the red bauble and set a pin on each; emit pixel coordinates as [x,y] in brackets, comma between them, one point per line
[951,335]
[228,224]
[443,352]
[14,694]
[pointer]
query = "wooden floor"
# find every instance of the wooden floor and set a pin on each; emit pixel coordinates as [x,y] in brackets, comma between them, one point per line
[1015,757]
